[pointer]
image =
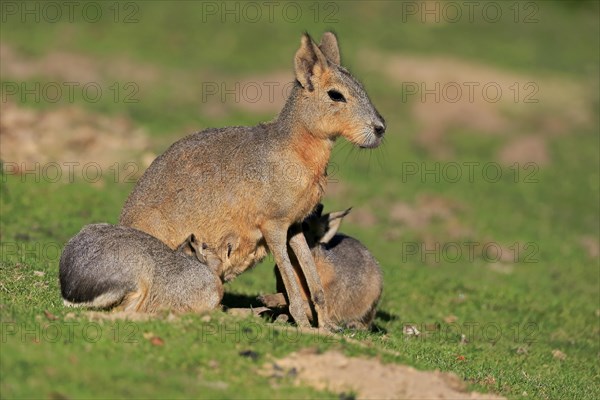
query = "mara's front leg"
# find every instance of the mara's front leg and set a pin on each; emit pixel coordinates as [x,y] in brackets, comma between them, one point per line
[276,237]
[309,269]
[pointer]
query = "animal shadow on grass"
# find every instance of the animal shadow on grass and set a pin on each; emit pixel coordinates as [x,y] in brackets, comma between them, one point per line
[238,300]
[385,317]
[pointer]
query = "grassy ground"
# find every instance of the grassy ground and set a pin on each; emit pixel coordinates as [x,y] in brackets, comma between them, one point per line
[530,319]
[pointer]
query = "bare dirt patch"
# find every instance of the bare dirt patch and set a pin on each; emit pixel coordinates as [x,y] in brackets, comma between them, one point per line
[362,217]
[368,378]
[424,211]
[32,138]
[427,210]
[591,245]
[256,94]
[338,190]
[525,149]
[73,67]
[501,268]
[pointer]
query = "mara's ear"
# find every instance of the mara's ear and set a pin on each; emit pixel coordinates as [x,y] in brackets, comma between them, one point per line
[195,245]
[332,221]
[318,211]
[309,62]
[187,243]
[329,46]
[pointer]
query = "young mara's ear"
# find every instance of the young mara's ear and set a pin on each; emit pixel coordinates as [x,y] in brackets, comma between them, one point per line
[186,244]
[194,244]
[197,248]
[329,46]
[333,221]
[318,211]
[309,62]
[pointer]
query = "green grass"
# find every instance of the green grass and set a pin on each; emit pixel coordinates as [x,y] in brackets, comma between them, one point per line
[513,321]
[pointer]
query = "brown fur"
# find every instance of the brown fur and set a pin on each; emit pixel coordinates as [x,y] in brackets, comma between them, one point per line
[253,183]
[350,275]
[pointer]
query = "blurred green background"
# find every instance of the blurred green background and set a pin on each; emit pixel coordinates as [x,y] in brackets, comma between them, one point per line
[492,139]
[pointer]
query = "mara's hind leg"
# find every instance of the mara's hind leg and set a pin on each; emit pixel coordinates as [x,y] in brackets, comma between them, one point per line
[205,299]
[367,320]
[136,301]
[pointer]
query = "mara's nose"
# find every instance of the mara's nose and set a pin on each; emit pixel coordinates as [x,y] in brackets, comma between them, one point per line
[379,129]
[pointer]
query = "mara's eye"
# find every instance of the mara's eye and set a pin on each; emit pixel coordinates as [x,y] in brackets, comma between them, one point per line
[336,96]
